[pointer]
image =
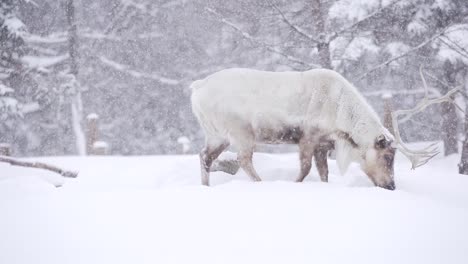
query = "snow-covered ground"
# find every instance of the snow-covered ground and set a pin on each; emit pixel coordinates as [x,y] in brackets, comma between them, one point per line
[152,209]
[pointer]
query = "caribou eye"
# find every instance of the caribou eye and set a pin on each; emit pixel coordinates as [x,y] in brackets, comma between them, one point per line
[381,144]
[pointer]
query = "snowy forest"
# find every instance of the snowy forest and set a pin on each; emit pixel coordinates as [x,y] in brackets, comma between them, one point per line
[131,62]
[105,105]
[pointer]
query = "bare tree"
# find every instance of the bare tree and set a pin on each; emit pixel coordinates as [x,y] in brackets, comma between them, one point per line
[463,165]
[73,84]
[449,115]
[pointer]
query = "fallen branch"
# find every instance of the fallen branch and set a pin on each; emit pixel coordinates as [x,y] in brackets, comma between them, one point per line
[39,165]
[227,166]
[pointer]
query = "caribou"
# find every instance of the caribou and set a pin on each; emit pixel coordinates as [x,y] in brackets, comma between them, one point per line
[316,109]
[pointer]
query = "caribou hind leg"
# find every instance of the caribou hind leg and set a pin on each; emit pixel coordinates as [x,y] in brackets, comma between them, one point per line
[208,154]
[243,137]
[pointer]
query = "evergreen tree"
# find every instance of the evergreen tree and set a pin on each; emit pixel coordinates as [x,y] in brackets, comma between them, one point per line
[11,50]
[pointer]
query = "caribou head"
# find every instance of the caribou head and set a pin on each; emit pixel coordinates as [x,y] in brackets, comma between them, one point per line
[379,160]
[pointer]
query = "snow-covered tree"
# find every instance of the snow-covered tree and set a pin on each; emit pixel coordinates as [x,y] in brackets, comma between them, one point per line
[19,87]
[11,51]
[137,59]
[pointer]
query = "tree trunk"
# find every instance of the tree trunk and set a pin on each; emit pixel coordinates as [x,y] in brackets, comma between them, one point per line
[449,115]
[449,128]
[324,55]
[387,99]
[323,47]
[463,165]
[76,103]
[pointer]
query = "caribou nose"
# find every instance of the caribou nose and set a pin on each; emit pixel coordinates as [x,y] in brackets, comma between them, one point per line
[390,186]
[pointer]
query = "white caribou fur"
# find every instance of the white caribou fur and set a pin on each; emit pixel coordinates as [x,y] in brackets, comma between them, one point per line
[232,100]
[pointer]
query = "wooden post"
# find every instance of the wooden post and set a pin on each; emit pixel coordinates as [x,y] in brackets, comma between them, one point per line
[91,132]
[388,108]
[5,149]
[100,148]
[184,143]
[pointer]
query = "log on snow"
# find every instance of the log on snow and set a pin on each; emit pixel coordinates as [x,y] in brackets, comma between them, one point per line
[228,166]
[39,165]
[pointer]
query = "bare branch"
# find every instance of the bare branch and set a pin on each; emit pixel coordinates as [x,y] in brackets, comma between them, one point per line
[404,54]
[446,85]
[360,21]
[454,46]
[39,165]
[260,43]
[295,28]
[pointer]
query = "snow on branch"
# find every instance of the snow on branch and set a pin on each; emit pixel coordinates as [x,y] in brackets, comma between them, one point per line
[434,92]
[50,39]
[43,62]
[13,25]
[258,42]
[94,35]
[5,89]
[126,69]
[99,36]
[39,165]
[404,54]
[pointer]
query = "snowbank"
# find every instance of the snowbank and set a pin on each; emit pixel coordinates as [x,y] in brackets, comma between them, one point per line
[153,210]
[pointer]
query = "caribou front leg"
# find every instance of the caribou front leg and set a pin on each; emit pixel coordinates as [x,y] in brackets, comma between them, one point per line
[211,152]
[245,161]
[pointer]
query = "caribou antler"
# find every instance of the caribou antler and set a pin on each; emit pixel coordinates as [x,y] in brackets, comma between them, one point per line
[419,157]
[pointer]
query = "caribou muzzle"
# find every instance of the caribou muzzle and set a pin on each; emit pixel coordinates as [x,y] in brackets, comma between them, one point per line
[389,186]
